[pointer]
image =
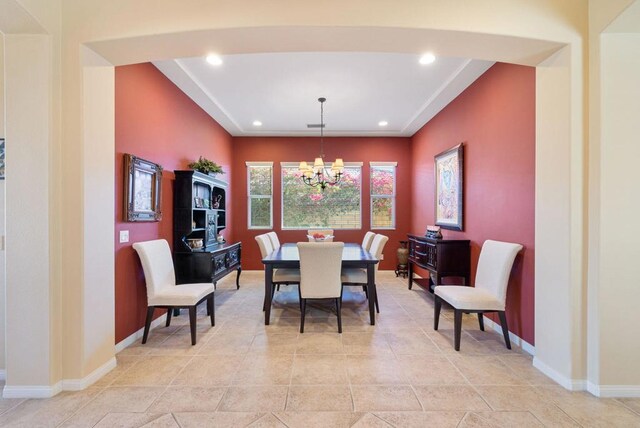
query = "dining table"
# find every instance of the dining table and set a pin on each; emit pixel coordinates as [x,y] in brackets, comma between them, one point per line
[287,256]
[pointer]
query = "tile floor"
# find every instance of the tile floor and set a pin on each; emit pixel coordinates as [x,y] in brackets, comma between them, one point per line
[399,373]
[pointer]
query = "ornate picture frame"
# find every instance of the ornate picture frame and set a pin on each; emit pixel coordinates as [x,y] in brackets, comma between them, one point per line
[449,189]
[142,189]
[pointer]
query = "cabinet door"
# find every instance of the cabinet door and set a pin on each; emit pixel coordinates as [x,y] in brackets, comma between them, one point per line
[219,264]
[211,228]
[233,257]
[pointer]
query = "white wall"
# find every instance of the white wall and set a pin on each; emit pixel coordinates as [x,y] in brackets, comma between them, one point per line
[29,310]
[2,227]
[619,281]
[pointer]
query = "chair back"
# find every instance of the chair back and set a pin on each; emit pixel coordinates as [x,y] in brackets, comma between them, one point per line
[275,242]
[368,240]
[157,265]
[494,267]
[377,245]
[320,267]
[264,243]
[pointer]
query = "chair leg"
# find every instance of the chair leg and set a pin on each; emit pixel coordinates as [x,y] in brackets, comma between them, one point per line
[436,312]
[376,303]
[278,287]
[366,291]
[169,314]
[192,323]
[338,311]
[481,320]
[212,308]
[457,327]
[303,308]
[505,329]
[147,324]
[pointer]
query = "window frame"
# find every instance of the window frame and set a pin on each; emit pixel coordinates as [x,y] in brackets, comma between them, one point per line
[250,197]
[372,196]
[284,165]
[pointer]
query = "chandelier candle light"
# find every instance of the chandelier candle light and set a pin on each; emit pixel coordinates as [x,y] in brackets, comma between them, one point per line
[319,174]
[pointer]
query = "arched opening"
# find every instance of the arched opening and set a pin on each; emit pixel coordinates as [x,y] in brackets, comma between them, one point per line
[78,277]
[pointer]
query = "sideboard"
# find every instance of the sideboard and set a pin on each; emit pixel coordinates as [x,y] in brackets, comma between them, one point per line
[441,257]
[208,265]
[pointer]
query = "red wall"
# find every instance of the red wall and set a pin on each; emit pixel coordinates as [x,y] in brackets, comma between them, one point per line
[495,118]
[158,122]
[290,149]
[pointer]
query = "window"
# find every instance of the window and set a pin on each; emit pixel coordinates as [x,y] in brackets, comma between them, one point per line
[338,207]
[259,195]
[383,195]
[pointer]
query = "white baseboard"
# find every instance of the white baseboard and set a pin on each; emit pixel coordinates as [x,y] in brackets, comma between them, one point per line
[612,391]
[526,346]
[31,391]
[138,334]
[45,391]
[565,382]
[91,378]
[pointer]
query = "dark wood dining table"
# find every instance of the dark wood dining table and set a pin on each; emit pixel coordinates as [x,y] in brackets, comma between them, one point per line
[353,256]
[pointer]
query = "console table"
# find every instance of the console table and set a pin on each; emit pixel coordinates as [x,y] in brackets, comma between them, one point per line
[441,257]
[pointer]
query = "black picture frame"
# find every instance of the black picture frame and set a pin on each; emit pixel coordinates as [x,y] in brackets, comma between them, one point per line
[449,188]
[142,189]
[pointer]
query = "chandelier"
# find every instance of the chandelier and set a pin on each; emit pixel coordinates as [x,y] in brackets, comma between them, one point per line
[320,174]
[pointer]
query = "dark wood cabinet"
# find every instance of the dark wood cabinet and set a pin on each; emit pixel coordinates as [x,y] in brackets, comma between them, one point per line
[199,214]
[208,265]
[199,210]
[441,257]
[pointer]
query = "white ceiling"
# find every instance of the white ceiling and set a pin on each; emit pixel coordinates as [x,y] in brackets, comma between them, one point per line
[281,90]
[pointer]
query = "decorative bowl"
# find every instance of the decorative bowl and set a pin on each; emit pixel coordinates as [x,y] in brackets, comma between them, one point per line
[322,238]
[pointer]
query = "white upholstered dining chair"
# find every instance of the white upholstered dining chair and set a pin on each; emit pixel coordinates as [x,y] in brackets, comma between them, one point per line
[356,276]
[162,291]
[320,266]
[275,242]
[489,293]
[280,276]
[368,240]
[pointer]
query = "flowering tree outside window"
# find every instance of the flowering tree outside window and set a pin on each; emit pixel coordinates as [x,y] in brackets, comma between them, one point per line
[259,183]
[383,195]
[337,207]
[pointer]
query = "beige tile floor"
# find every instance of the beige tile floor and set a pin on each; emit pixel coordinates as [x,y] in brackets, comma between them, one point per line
[399,373]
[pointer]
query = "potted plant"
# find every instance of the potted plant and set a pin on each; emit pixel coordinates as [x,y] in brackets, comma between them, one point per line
[206,166]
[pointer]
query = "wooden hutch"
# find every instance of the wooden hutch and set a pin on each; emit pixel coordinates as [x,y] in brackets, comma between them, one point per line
[441,257]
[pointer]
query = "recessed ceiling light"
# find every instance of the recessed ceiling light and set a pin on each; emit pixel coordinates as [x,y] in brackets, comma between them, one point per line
[427,58]
[214,59]
[257,123]
[383,123]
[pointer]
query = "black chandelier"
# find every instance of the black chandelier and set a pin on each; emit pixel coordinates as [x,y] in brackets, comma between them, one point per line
[320,174]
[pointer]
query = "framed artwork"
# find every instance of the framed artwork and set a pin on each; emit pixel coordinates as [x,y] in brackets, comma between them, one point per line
[449,188]
[1,158]
[143,189]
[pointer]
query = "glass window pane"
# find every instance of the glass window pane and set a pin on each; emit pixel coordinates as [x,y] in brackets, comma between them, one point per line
[337,207]
[382,180]
[260,212]
[382,212]
[260,181]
